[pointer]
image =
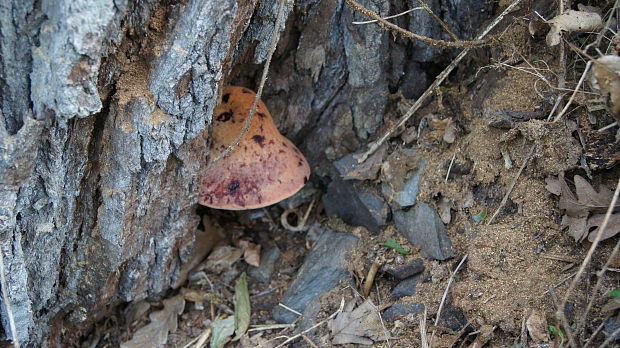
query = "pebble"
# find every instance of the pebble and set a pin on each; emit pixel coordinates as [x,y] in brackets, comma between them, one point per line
[406,270]
[406,287]
[357,204]
[407,196]
[323,269]
[422,226]
[268,259]
[399,309]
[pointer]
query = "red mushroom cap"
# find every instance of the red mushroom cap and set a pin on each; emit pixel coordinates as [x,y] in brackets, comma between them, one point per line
[263,169]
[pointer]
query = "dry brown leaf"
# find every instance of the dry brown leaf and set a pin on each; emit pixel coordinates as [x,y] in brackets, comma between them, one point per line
[222,258]
[572,21]
[155,333]
[584,212]
[251,252]
[361,325]
[606,78]
[536,325]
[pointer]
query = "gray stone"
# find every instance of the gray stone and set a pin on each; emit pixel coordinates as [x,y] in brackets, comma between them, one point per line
[422,226]
[268,259]
[400,176]
[406,270]
[356,204]
[323,269]
[399,309]
[406,287]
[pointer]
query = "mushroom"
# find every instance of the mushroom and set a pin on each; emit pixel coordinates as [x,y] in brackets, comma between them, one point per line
[263,169]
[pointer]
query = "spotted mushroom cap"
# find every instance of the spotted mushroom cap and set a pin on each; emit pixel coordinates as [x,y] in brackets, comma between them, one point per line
[263,169]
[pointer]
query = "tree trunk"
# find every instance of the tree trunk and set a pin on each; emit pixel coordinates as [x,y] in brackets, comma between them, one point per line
[104,104]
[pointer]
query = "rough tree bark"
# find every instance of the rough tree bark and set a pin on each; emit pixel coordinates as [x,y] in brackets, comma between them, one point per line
[103,107]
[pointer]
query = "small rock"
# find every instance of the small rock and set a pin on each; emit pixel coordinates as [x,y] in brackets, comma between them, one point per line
[407,270]
[399,309]
[452,317]
[323,269]
[422,226]
[401,177]
[356,204]
[406,287]
[268,259]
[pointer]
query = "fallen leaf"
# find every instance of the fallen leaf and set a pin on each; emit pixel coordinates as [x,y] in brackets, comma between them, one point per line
[222,330]
[222,258]
[242,307]
[155,333]
[193,295]
[536,325]
[393,244]
[361,325]
[584,212]
[135,310]
[606,78]
[251,252]
[572,21]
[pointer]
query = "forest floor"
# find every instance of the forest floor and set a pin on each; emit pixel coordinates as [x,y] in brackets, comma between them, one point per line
[488,136]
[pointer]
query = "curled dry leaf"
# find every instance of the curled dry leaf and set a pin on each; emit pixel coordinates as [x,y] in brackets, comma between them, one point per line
[222,330]
[222,258]
[585,212]
[155,334]
[361,325]
[572,21]
[606,78]
[536,325]
[251,252]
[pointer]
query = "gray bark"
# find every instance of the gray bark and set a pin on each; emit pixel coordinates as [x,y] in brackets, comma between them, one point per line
[103,107]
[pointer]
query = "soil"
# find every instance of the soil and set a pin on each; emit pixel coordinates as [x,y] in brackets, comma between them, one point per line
[521,262]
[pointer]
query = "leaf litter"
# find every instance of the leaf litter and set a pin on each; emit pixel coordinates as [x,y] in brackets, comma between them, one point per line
[155,333]
[584,211]
[361,325]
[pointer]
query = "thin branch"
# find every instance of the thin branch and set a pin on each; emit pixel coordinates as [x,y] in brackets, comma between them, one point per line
[390,17]
[439,20]
[272,48]
[440,78]
[512,184]
[406,33]
[572,97]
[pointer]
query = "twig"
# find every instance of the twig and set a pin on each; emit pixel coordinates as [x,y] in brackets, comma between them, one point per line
[289,309]
[559,283]
[423,338]
[440,78]
[271,327]
[572,97]
[445,295]
[370,278]
[560,310]
[591,338]
[512,184]
[439,20]
[406,33]
[389,17]
[611,125]
[309,341]
[450,167]
[611,338]
[292,338]
[272,48]
[7,302]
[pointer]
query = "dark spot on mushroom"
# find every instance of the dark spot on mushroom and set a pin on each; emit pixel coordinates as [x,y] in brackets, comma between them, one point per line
[305,179]
[297,151]
[259,139]
[245,148]
[283,143]
[261,115]
[282,151]
[233,186]
[246,91]
[300,163]
[225,97]
[261,129]
[224,116]
[271,142]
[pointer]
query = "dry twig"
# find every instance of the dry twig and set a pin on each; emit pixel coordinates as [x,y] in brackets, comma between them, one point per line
[372,147]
